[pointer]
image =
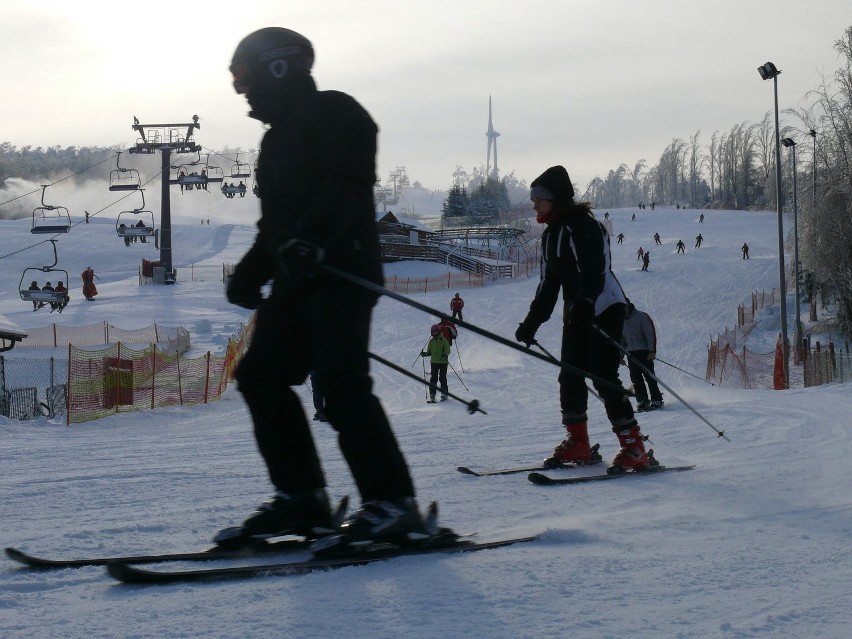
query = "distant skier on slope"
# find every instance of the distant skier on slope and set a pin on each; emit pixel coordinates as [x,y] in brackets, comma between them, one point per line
[438,352]
[456,306]
[640,340]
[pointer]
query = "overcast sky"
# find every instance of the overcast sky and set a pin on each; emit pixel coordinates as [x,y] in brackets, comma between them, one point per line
[589,84]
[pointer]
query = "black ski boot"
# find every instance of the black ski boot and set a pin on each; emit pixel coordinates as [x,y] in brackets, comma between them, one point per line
[396,521]
[307,514]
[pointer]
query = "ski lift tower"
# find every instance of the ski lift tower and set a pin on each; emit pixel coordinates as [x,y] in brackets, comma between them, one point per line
[166,138]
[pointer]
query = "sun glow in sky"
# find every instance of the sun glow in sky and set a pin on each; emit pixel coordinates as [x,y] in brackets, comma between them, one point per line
[585,84]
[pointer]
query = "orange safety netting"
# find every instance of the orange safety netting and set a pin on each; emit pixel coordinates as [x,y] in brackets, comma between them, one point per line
[119,378]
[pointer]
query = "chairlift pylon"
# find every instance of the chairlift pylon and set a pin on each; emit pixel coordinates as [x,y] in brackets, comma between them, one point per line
[48,218]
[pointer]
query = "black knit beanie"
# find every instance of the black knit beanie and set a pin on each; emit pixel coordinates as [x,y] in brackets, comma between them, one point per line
[556,180]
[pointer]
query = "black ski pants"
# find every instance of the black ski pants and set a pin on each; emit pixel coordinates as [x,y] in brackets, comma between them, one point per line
[588,350]
[438,374]
[640,375]
[322,327]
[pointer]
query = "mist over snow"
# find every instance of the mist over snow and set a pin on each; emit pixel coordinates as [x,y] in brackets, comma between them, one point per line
[754,542]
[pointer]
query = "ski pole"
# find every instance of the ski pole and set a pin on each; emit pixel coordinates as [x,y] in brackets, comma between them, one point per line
[719,433]
[423,359]
[472,405]
[662,361]
[458,354]
[421,350]
[460,379]
[380,290]
[543,350]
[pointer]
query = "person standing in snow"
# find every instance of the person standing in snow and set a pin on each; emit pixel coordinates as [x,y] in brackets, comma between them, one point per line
[620,238]
[657,239]
[646,260]
[438,352]
[456,306]
[640,340]
[698,240]
[448,330]
[89,289]
[575,259]
[640,253]
[744,249]
[316,171]
[681,247]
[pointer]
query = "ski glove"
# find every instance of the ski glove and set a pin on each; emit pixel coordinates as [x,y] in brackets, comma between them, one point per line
[525,333]
[582,312]
[651,356]
[299,258]
[242,293]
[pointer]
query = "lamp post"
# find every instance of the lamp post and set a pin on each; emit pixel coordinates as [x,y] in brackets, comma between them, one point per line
[811,301]
[791,144]
[813,186]
[769,72]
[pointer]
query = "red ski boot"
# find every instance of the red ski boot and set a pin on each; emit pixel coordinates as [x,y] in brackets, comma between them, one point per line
[574,449]
[632,456]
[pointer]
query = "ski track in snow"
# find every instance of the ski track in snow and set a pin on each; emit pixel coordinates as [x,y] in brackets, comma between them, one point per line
[751,543]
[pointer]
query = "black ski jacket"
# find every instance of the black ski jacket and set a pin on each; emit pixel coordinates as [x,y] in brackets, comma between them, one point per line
[575,257]
[315,178]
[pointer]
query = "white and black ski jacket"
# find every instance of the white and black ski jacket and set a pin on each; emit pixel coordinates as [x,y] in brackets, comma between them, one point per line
[575,256]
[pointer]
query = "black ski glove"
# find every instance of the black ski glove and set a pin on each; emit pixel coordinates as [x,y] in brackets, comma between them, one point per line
[525,333]
[582,312]
[299,258]
[242,293]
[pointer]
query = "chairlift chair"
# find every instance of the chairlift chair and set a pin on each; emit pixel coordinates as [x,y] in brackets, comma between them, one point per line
[230,190]
[240,170]
[214,173]
[48,218]
[121,179]
[57,300]
[190,174]
[127,224]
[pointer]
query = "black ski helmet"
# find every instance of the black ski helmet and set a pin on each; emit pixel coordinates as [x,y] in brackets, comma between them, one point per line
[269,57]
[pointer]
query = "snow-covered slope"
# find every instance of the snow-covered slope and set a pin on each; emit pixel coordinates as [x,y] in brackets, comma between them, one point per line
[752,543]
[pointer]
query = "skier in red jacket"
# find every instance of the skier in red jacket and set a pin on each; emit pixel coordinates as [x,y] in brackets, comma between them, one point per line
[456,306]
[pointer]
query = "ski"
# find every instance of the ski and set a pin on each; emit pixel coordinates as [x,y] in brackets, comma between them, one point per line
[258,548]
[445,542]
[230,544]
[544,480]
[550,465]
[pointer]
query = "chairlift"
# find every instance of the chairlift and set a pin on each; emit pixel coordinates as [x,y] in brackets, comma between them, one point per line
[121,179]
[135,224]
[214,173]
[240,170]
[190,174]
[48,218]
[30,290]
[229,190]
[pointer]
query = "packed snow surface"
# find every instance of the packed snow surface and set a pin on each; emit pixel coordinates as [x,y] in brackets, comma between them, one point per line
[752,543]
